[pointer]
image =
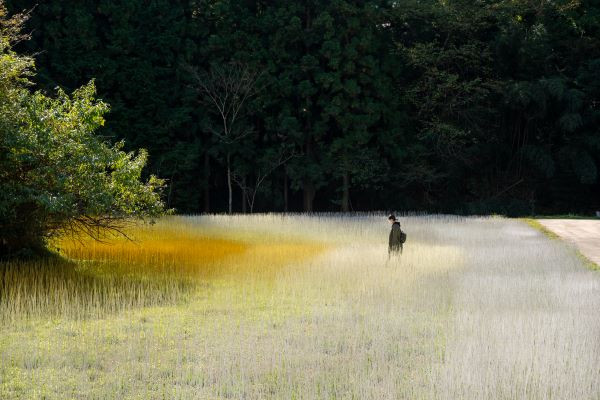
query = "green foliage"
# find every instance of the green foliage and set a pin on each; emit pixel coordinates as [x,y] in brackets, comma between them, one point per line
[56,174]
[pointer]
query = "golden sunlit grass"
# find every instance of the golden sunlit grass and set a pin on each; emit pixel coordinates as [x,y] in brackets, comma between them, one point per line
[187,249]
[163,263]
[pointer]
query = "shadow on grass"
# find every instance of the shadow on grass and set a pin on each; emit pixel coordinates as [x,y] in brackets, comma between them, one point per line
[56,287]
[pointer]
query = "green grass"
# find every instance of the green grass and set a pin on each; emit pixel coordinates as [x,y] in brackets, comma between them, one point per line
[565,216]
[536,225]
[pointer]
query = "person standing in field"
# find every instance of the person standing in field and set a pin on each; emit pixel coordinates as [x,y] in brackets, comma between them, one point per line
[397,237]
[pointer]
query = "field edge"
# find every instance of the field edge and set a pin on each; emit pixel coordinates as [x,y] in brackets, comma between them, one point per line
[589,264]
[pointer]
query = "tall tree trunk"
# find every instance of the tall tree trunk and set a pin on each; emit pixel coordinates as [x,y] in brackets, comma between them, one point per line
[244,194]
[285,190]
[346,192]
[308,195]
[230,200]
[251,200]
[307,184]
[170,191]
[206,182]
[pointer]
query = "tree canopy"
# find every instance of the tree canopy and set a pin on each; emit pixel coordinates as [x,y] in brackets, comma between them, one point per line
[448,106]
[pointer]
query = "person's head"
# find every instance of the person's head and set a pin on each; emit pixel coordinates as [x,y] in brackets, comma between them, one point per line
[392,218]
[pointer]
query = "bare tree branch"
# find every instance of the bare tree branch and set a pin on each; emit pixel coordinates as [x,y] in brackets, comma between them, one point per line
[260,176]
[227,88]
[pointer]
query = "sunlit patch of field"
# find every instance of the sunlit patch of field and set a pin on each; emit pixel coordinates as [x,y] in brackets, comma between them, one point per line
[284,307]
[175,245]
[159,264]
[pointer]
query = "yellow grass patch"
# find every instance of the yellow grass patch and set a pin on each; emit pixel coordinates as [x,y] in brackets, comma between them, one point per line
[166,263]
[155,251]
[170,246]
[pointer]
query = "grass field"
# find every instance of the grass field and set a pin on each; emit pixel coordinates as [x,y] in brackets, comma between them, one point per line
[303,307]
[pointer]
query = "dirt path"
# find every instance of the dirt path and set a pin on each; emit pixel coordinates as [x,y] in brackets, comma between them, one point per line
[584,233]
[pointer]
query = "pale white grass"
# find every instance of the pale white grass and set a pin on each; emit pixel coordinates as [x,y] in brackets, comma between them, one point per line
[476,308]
[525,320]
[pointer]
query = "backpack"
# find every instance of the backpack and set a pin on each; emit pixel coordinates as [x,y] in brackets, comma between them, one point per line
[402,237]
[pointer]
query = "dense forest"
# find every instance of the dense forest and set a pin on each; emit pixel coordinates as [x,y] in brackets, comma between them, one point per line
[466,106]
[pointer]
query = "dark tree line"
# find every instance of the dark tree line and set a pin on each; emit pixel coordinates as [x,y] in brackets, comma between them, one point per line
[469,106]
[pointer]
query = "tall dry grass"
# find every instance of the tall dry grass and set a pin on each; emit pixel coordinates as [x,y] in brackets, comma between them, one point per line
[157,264]
[308,307]
[525,322]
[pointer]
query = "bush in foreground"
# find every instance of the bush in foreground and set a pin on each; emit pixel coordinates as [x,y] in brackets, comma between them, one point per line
[56,174]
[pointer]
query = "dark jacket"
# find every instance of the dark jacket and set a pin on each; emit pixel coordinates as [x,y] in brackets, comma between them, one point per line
[395,243]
